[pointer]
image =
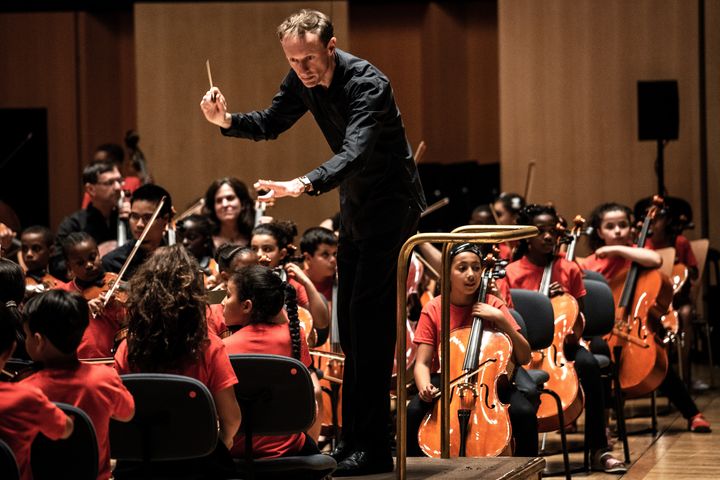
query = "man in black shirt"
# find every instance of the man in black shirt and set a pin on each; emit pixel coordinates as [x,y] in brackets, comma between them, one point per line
[380,202]
[103,183]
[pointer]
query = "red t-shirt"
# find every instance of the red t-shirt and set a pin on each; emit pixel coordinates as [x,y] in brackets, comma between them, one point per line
[683,251]
[302,296]
[428,327]
[526,275]
[213,368]
[271,339]
[505,251]
[99,337]
[25,412]
[216,319]
[95,389]
[609,267]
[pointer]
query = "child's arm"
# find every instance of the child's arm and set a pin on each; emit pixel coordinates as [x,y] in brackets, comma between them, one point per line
[521,347]
[423,364]
[643,256]
[229,414]
[317,306]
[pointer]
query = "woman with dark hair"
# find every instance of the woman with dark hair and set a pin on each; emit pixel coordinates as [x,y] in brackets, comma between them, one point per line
[168,333]
[231,210]
[254,311]
[507,207]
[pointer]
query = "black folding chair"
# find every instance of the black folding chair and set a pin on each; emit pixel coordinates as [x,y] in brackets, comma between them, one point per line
[537,313]
[599,321]
[175,424]
[276,397]
[76,456]
[8,464]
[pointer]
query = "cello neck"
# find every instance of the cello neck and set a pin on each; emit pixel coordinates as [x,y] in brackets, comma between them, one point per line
[472,355]
[628,292]
[547,278]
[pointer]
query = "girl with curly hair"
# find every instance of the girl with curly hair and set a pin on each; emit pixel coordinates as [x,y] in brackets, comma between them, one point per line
[168,333]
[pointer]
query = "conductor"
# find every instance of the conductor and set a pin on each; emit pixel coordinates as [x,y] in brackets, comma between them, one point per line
[380,201]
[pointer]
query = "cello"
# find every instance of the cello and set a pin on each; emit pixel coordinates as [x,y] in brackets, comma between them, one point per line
[563,377]
[479,422]
[642,297]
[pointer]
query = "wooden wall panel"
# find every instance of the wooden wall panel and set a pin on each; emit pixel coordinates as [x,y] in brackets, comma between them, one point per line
[185,153]
[568,73]
[712,76]
[38,70]
[441,58]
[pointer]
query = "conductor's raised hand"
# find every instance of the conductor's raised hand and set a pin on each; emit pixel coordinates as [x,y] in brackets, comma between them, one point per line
[214,107]
[273,189]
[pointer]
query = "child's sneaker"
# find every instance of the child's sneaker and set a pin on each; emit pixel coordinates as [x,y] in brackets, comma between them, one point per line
[698,424]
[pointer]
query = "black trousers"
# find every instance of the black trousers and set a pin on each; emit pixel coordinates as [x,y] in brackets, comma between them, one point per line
[672,386]
[523,419]
[588,372]
[367,269]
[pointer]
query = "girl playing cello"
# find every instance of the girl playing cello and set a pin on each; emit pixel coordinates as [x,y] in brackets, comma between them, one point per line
[465,279]
[532,258]
[612,241]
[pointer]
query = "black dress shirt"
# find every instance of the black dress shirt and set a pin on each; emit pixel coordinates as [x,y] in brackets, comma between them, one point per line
[373,163]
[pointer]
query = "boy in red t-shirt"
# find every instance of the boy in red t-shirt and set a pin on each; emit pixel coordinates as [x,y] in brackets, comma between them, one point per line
[465,276]
[36,245]
[526,272]
[24,410]
[90,280]
[254,310]
[54,325]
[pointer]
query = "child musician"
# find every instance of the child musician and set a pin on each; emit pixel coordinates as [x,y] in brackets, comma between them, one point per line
[272,242]
[614,251]
[526,272]
[55,323]
[12,293]
[24,410]
[90,280]
[319,249]
[167,333]
[36,245]
[254,310]
[465,277]
[195,234]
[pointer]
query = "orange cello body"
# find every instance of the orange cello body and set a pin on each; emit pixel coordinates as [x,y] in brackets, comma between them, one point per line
[644,361]
[563,377]
[489,430]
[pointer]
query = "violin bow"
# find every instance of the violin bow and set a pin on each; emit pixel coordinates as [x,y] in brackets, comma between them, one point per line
[529,179]
[420,152]
[139,241]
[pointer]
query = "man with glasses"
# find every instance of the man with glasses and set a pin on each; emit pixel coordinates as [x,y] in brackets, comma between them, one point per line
[144,202]
[103,184]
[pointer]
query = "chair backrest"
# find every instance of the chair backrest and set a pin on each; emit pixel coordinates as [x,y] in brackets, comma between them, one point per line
[536,309]
[8,464]
[275,394]
[76,456]
[175,419]
[591,275]
[599,309]
[668,260]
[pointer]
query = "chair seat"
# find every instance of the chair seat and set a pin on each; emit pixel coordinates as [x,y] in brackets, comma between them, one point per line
[314,466]
[539,376]
[603,360]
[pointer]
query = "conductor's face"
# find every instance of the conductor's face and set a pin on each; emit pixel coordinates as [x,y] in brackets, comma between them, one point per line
[312,61]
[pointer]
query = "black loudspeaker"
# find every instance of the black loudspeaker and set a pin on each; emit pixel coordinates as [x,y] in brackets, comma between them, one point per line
[466,184]
[658,110]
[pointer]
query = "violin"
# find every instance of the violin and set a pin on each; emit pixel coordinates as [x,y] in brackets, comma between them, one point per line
[563,377]
[479,421]
[642,297]
[34,286]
